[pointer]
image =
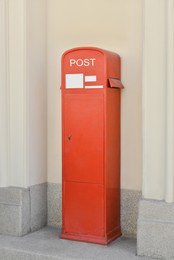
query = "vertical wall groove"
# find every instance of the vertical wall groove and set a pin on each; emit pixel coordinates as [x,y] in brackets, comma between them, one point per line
[170,103]
[3,94]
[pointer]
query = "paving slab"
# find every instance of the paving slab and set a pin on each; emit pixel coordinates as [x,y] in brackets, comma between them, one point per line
[45,244]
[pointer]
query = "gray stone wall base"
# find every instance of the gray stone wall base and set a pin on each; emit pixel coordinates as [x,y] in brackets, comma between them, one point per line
[129,209]
[38,201]
[54,195]
[23,210]
[27,210]
[129,212]
[14,211]
[155,236]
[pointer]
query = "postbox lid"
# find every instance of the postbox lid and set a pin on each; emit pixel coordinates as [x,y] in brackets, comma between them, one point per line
[115,83]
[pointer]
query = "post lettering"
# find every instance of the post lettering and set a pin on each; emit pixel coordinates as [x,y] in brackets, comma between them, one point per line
[92,61]
[72,61]
[82,62]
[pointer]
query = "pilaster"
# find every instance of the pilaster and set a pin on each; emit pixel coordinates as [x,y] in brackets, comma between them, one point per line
[155,232]
[18,98]
[23,105]
[154,99]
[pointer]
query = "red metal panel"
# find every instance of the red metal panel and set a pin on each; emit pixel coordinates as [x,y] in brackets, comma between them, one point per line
[84,205]
[113,160]
[83,137]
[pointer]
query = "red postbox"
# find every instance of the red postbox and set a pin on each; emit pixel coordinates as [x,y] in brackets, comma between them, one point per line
[91,90]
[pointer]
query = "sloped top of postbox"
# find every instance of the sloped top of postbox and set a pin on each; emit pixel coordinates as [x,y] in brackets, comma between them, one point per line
[105,52]
[89,67]
[107,55]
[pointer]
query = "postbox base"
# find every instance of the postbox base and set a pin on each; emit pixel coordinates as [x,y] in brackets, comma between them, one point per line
[93,239]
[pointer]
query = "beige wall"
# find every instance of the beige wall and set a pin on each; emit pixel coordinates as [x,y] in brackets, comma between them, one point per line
[113,25]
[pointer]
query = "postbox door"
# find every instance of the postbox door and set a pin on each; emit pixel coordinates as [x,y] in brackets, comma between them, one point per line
[83,137]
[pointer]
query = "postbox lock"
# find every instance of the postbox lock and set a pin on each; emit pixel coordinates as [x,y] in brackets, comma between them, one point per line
[69,137]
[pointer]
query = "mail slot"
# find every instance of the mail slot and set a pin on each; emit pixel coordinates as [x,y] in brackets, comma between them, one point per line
[91,89]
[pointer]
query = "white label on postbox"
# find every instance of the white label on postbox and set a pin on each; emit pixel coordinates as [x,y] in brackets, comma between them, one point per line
[74,81]
[90,78]
[82,62]
[77,81]
[96,86]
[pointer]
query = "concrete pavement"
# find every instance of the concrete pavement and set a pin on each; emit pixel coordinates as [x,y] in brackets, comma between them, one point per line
[46,245]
